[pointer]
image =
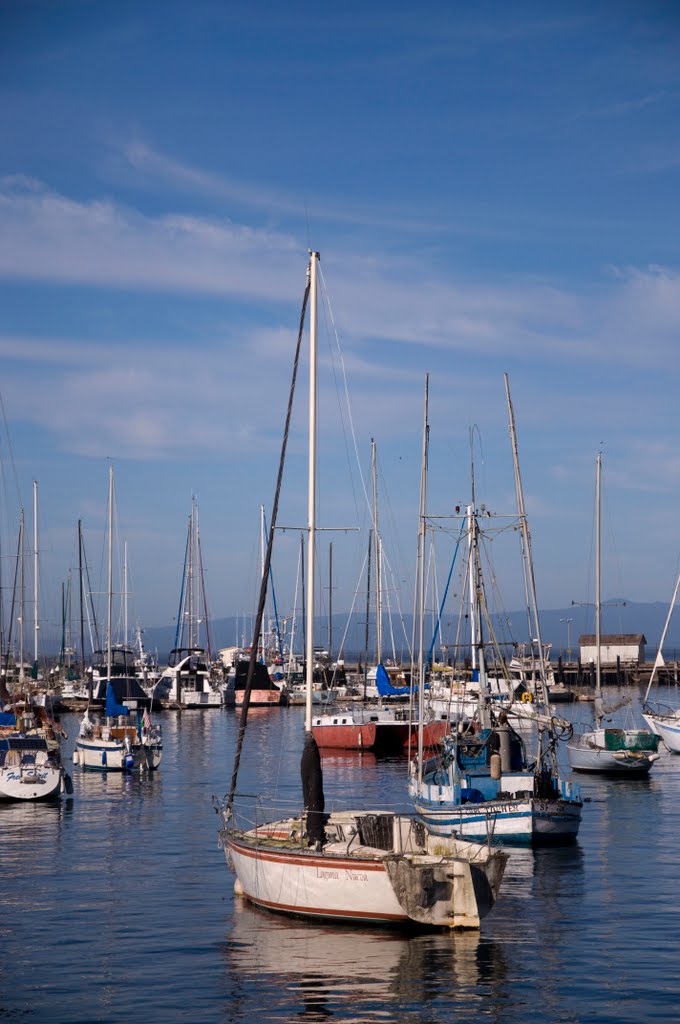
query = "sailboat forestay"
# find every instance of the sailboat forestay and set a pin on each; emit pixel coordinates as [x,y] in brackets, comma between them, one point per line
[351,865]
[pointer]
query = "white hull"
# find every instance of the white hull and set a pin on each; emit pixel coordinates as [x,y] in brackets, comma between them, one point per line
[116,756]
[589,752]
[513,813]
[448,883]
[667,727]
[527,821]
[30,782]
[201,699]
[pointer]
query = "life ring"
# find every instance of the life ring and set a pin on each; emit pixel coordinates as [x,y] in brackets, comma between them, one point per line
[526,697]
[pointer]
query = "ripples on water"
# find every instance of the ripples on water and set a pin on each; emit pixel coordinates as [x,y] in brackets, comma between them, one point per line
[118,906]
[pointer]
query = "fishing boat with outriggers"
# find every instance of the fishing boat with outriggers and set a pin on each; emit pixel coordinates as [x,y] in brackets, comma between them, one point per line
[485,780]
[375,866]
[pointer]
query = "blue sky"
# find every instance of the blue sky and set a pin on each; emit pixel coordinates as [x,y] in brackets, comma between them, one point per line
[491,187]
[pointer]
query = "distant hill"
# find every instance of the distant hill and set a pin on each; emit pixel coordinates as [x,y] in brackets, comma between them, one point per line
[617,617]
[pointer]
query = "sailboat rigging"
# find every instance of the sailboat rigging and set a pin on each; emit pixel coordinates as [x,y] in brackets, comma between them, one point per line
[372,866]
[662,718]
[610,751]
[114,744]
[186,681]
[484,779]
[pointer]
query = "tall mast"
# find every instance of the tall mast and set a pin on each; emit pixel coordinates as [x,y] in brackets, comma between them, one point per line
[36,624]
[69,622]
[125,595]
[368,607]
[109,614]
[191,582]
[62,651]
[476,585]
[378,574]
[420,575]
[82,603]
[526,547]
[472,599]
[311,506]
[196,574]
[22,597]
[330,602]
[263,546]
[598,578]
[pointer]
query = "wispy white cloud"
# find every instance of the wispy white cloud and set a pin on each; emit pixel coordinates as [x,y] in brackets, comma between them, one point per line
[47,236]
[158,166]
[153,169]
[50,237]
[622,107]
[159,406]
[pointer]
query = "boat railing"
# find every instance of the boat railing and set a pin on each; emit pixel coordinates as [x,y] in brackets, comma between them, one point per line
[659,708]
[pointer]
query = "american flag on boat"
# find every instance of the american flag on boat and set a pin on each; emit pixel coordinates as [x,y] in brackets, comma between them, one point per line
[146,719]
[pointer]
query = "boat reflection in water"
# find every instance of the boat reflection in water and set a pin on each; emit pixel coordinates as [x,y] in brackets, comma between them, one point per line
[314,972]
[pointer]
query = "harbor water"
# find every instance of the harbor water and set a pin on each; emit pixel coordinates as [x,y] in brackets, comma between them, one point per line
[117,904]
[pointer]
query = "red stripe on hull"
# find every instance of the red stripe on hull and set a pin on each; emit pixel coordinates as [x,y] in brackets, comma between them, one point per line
[357,915]
[305,860]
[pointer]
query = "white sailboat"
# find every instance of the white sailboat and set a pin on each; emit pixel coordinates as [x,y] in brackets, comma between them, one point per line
[187,680]
[362,866]
[116,744]
[610,751]
[663,719]
[30,755]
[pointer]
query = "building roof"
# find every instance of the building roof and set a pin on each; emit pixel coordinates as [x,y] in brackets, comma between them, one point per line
[613,639]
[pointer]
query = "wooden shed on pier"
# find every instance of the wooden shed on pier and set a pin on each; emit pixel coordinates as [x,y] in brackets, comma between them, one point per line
[624,649]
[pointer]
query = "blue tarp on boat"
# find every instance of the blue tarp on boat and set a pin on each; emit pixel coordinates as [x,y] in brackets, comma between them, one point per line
[385,688]
[113,708]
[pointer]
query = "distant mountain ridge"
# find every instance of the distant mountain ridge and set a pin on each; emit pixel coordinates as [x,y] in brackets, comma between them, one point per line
[618,616]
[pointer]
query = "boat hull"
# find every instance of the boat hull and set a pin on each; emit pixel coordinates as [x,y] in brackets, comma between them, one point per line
[590,752]
[345,736]
[260,698]
[30,782]
[115,756]
[344,732]
[667,727]
[276,870]
[523,822]
[200,699]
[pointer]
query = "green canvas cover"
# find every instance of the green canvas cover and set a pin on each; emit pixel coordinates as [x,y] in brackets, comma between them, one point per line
[619,739]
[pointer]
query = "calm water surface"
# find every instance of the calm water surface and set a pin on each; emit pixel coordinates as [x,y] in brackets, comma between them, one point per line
[117,905]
